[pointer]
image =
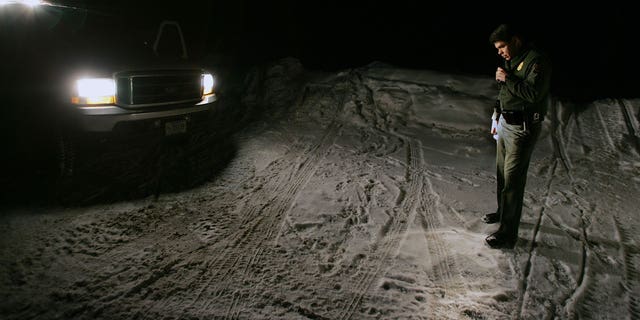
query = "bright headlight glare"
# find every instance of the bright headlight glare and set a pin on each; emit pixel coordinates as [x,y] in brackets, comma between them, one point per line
[31,3]
[208,83]
[95,91]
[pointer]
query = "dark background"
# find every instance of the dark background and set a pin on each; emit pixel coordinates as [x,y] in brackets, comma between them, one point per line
[593,47]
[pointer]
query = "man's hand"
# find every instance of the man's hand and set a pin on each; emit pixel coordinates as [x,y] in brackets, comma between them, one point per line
[494,128]
[501,75]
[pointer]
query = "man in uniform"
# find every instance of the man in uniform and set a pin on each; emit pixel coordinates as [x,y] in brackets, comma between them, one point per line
[523,99]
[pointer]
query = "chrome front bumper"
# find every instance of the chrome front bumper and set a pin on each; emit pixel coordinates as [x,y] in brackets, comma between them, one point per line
[105,118]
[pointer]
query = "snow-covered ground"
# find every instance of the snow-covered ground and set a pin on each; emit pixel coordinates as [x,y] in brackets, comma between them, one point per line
[357,196]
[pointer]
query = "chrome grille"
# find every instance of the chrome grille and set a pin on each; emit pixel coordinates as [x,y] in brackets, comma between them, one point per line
[158,88]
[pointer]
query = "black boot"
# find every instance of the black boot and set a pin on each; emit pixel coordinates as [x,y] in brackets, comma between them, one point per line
[499,240]
[491,218]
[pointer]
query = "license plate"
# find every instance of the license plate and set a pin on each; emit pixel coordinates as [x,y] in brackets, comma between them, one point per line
[175,127]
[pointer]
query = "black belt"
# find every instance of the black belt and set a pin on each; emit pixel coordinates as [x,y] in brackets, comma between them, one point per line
[519,117]
[513,117]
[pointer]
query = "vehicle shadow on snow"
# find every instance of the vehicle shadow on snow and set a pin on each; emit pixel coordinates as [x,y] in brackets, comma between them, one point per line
[164,166]
[126,170]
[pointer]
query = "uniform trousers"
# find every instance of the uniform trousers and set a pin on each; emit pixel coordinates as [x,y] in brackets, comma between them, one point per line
[513,154]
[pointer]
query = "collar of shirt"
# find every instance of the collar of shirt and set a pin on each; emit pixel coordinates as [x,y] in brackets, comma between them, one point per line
[513,63]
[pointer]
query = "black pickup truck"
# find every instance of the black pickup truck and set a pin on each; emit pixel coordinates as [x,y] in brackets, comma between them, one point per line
[75,75]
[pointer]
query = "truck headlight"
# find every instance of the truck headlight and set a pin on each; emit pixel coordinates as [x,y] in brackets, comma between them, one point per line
[208,82]
[92,91]
[30,3]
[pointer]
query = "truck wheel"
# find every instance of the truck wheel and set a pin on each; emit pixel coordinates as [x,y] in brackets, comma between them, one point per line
[66,156]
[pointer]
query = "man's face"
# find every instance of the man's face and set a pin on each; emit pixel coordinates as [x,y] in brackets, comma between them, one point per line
[504,49]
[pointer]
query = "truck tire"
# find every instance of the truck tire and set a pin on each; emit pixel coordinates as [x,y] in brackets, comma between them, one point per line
[66,156]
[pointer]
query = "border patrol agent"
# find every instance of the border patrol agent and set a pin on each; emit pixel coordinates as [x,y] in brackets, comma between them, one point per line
[522,104]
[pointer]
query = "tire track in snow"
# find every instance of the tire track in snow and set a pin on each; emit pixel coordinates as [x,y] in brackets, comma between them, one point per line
[391,234]
[277,186]
[532,247]
[584,297]
[283,184]
[605,128]
[584,282]
[276,213]
[445,271]
[371,265]
[304,168]
[632,125]
[604,147]
[631,258]
[556,138]
[232,259]
[587,296]
[244,249]
[561,156]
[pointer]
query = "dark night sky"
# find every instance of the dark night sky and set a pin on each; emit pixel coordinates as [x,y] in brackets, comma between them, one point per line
[593,47]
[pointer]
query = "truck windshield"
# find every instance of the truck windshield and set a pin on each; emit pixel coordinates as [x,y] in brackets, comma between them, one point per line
[95,35]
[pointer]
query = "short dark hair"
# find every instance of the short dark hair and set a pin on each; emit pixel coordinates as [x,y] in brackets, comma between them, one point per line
[504,32]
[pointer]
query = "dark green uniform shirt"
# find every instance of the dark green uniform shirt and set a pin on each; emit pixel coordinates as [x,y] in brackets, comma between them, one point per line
[527,85]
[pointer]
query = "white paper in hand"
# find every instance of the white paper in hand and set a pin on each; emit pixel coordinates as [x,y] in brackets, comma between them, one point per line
[495,125]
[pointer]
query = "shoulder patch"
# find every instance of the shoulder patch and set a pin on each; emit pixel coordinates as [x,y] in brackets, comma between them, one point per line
[520,66]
